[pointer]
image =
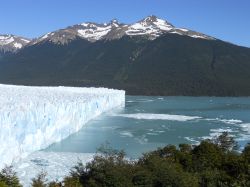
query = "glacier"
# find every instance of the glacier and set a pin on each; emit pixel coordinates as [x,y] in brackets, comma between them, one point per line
[32,118]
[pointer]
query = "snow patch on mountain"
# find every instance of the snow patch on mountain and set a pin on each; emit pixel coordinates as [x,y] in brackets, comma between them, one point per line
[10,43]
[184,30]
[46,35]
[18,45]
[25,40]
[149,26]
[4,40]
[94,32]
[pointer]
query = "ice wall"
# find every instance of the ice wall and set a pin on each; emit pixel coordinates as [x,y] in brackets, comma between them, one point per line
[31,118]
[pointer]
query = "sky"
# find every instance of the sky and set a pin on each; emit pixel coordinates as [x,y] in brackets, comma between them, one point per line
[228,20]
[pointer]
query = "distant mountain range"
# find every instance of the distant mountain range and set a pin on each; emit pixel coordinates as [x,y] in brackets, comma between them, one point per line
[149,57]
[151,27]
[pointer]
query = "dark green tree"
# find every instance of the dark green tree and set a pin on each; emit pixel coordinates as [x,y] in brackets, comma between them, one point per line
[8,177]
[40,180]
[246,153]
[2,184]
[226,142]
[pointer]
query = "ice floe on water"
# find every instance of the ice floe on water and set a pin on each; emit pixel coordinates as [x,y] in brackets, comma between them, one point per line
[160,98]
[174,117]
[150,116]
[235,127]
[55,164]
[126,134]
[245,135]
[214,133]
[227,121]
[190,139]
[245,127]
[221,130]
[143,100]
[152,133]
[130,101]
[142,139]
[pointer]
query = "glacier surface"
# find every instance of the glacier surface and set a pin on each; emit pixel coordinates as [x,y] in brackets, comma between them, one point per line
[32,118]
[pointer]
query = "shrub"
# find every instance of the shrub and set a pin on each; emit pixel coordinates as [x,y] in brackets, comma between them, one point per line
[8,177]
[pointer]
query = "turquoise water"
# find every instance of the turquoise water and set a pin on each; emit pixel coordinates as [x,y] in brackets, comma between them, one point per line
[150,122]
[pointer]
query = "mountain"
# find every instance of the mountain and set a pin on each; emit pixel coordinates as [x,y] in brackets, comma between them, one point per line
[12,43]
[151,27]
[150,57]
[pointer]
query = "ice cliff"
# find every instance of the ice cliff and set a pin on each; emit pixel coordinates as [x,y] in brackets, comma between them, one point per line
[31,118]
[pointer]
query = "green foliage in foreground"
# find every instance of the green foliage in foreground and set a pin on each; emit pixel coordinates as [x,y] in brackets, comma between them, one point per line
[210,164]
[8,178]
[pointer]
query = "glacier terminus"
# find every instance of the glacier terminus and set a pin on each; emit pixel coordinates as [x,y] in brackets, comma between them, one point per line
[32,118]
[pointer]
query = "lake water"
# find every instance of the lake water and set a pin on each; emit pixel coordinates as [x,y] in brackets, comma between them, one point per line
[150,122]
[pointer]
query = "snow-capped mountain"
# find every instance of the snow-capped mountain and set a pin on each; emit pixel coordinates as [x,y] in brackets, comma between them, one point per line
[89,31]
[10,43]
[150,27]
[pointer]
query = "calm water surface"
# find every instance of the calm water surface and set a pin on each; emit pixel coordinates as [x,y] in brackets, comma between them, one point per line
[150,122]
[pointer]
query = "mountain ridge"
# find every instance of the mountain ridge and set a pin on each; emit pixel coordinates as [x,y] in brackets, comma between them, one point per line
[150,27]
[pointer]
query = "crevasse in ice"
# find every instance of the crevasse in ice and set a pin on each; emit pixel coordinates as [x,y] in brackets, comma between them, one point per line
[31,118]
